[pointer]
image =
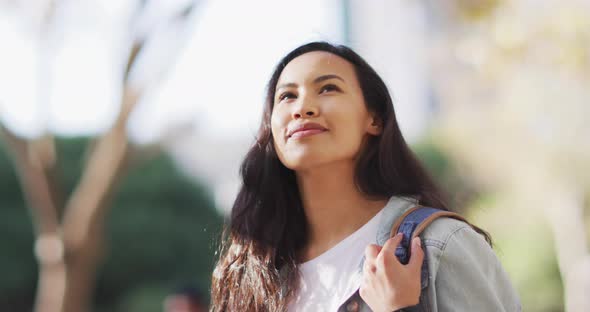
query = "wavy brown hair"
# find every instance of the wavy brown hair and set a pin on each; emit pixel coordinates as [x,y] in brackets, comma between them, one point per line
[257,268]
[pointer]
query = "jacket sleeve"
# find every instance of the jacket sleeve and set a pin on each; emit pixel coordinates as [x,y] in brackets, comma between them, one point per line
[471,278]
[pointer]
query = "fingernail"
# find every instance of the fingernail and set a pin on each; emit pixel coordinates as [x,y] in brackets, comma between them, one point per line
[399,235]
[419,242]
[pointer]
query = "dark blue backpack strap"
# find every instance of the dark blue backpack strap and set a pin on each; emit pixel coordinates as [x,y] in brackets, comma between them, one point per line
[411,224]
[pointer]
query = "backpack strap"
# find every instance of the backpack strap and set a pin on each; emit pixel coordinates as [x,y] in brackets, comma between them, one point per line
[412,223]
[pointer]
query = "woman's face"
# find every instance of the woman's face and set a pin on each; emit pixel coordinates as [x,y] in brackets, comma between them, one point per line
[319,114]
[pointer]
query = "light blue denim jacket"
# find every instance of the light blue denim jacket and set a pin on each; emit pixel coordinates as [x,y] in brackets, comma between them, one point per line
[464,273]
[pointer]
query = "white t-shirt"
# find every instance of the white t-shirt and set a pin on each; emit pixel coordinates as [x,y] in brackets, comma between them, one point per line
[332,277]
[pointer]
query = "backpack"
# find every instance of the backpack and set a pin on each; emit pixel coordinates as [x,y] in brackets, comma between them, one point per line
[412,223]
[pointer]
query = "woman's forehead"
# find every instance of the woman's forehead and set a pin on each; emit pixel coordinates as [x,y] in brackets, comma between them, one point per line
[308,66]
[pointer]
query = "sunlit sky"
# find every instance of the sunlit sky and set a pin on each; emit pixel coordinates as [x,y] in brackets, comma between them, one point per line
[212,69]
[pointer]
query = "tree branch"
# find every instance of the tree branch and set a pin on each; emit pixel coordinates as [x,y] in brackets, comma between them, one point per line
[32,169]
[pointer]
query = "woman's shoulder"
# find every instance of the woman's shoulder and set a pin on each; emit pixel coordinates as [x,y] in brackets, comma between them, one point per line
[460,258]
[437,234]
[445,230]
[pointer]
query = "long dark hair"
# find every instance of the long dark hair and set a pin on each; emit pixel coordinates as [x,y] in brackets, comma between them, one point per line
[256,270]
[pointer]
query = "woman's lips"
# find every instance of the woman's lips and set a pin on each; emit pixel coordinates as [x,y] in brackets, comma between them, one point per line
[306,133]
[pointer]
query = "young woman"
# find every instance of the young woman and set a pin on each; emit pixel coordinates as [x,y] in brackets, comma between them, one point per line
[329,174]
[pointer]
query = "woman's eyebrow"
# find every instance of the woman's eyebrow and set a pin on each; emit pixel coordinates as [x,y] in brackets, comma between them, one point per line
[315,81]
[327,77]
[287,85]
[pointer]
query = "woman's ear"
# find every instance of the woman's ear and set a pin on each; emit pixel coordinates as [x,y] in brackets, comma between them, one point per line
[375,127]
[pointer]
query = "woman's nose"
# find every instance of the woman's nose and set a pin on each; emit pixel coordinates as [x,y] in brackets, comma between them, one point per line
[308,113]
[306,110]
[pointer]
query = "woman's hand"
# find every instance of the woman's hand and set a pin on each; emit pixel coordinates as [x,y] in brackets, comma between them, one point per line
[388,285]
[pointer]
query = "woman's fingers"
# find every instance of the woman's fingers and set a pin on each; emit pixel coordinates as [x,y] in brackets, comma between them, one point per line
[388,285]
[392,243]
[372,251]
[417,256]
[387,253]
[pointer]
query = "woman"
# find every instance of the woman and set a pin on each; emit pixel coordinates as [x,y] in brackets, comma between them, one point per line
[327,177]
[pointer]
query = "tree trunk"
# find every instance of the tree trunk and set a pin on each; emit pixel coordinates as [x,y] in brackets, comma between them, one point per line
[82,265]
[52,276]
[69,252]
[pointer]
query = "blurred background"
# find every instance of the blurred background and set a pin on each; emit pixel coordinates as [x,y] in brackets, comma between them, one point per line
[123,123]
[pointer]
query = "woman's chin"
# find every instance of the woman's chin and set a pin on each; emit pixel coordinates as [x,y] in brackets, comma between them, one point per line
[303,163]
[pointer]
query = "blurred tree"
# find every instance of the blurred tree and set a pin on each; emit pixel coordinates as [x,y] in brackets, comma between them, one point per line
[514,86]
[69,230]
[456,184]
[17,264]
[159,234]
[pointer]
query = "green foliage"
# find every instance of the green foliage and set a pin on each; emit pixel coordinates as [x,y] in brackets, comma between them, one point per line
[160,230]
[448,175]
[530,260]
[17,266]
[148,298]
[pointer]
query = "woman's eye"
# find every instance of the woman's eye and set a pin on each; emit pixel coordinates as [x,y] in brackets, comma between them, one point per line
[329,88]
[286,95]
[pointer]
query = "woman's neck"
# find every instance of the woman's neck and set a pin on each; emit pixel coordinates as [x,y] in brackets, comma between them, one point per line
[333,205]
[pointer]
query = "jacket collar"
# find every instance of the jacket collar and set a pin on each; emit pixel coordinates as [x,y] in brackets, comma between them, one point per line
[395,208]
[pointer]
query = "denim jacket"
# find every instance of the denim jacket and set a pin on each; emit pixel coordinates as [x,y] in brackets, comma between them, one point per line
[464,274]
